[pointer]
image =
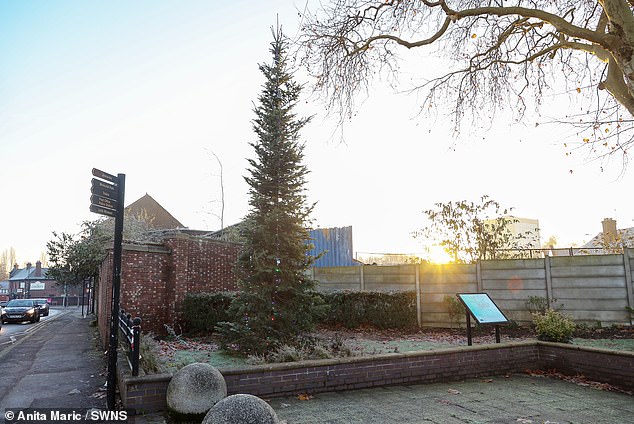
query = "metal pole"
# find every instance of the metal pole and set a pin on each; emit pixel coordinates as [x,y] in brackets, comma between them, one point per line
[136,345]
[116,284]
[468,329]
[92,290]
[83,290]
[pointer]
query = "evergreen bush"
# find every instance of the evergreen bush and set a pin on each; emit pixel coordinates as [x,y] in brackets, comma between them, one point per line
[275,305]
[457,311]
[378,309]
[553,326]
[203,311]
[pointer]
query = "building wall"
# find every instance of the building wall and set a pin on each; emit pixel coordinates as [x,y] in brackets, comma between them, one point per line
[156,277]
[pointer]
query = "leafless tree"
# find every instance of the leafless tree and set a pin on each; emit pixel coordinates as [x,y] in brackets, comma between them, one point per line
[7,260]
[505,54]
[220,216]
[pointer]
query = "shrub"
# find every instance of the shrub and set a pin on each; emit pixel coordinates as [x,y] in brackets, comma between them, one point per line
[202,311]
[148,358]
[457,311]
[553,326]
[537,304]
[305,349]
[378,309]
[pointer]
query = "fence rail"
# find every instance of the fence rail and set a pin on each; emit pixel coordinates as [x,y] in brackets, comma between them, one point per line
[131,329]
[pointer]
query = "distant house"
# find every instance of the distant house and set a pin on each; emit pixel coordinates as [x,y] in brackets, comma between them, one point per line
[152,212]
[4,290]
[611,239]
[34,282]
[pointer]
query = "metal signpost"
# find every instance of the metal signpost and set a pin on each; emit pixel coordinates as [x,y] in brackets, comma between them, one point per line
[108,194]
[484,311]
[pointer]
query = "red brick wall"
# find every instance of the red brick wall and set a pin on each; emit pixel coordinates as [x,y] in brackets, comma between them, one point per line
[156,277]
[616,368]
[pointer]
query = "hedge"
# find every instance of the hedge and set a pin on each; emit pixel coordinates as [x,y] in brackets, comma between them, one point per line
[379,309]
[202,311]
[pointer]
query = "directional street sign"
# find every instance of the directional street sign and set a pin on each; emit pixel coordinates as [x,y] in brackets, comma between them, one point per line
[108,195]
[103,211]
[103,202]
[104,189]
[104,176]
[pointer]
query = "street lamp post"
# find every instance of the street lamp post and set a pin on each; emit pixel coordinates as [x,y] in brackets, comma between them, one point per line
[27,286]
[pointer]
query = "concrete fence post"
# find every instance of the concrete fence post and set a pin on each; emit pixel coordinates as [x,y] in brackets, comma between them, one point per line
[479,275]
[628,280]
[549,282]
[361,278]
[419,312]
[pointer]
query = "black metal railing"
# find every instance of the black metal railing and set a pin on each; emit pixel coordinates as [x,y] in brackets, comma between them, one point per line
[131,329]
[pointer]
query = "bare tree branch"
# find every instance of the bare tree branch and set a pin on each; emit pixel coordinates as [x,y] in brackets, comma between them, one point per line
[504,52]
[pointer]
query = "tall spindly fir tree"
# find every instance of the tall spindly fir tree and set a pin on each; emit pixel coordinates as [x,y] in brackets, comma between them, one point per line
[275,303]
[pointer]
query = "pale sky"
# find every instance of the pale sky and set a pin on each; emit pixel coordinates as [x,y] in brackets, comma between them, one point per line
[150,88]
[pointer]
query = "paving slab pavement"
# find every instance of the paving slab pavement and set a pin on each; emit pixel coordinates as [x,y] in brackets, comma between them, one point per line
[517,399]
[55,365]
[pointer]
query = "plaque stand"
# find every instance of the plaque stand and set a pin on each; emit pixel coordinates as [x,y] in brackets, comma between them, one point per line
[484,311]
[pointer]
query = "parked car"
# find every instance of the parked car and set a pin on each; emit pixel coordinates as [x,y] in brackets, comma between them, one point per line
[20,310]
[43,305]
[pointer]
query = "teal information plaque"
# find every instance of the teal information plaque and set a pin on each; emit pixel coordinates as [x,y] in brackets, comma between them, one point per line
[482,308]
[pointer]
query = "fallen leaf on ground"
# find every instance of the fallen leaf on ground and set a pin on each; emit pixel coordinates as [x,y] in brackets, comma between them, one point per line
[304,396]
[579,380]
[487,380]
[453,391]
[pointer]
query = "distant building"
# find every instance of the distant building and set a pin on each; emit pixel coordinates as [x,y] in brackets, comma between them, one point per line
[333,244]
[4,290]
[34,282]
[153,213]
[611,239]
[525,232]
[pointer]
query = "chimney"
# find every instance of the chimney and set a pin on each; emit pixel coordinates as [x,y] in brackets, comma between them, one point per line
[38,269]
[28,270]
[609,229]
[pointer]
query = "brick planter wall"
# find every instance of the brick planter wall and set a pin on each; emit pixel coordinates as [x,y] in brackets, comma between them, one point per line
[147,393]
[382,370]
[607,366]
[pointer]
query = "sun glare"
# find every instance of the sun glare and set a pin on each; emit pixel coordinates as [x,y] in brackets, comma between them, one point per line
[437,255]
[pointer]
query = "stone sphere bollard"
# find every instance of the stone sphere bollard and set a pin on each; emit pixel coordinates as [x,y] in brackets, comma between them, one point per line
[195,388]
[241,409]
